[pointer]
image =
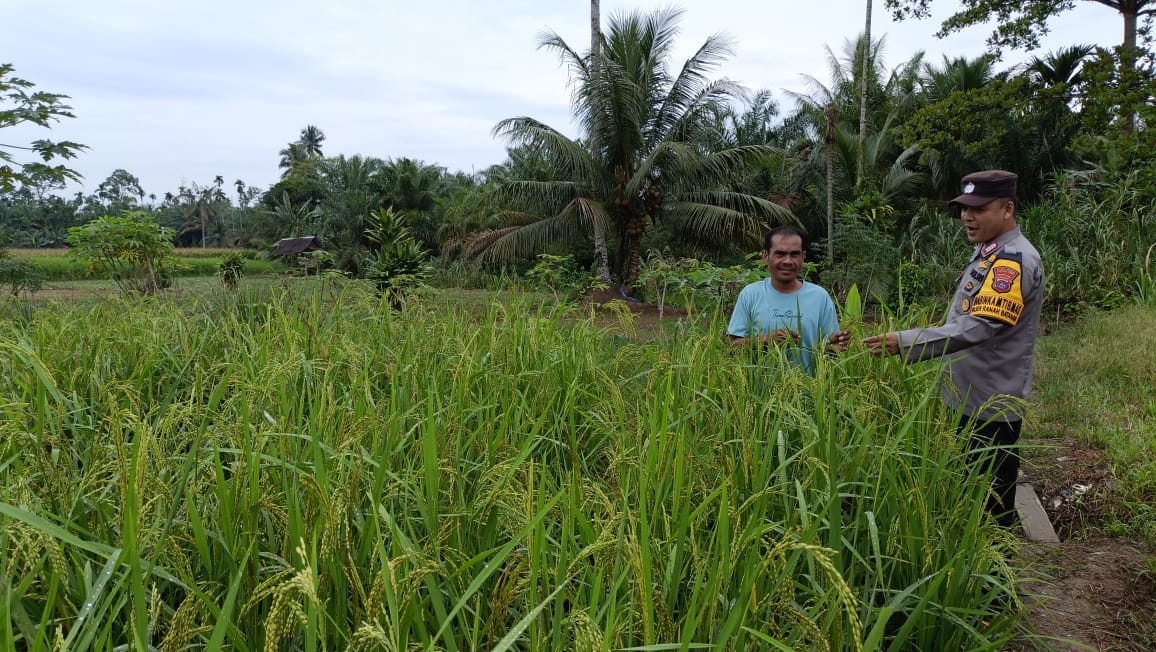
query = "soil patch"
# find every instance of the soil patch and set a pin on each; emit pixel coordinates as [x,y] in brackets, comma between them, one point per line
[1088,592]
[1089,595]
[647,314]
[1073,482]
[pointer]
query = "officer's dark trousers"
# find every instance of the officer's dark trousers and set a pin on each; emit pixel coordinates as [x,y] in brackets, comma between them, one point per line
[1002,463]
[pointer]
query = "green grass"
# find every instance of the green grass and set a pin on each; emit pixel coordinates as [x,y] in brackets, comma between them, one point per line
[282,469]
[57,265]
[1094,383]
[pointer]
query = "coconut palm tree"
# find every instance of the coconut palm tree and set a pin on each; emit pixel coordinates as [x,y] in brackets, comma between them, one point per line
[640,160]
[311,139]
[1056,81]
[950,84]
[853,159]
[307,148]
[293,155]
[1059,67]
[415,188]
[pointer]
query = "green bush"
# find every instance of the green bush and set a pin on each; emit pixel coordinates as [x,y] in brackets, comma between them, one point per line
[865,257]
[1093,238]
[18,276]
[230,269]
[557,274]
[399,264]
[132,248]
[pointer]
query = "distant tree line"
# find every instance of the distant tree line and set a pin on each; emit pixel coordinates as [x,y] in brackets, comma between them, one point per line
[671,158]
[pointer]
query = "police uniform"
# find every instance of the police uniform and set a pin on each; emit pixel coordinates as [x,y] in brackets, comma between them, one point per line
[989,338]
[990,332]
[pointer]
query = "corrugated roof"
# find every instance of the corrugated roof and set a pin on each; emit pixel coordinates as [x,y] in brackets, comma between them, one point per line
[289,246]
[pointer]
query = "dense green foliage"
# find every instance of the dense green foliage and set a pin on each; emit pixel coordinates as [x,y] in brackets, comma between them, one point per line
[268,469]
[642,159]
[133,249]
[19,104]
[680,162]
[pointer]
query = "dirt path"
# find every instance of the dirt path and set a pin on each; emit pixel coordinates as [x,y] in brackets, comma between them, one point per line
[1086,593]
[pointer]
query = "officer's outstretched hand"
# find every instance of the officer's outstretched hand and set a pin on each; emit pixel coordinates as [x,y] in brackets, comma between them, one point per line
[885,344]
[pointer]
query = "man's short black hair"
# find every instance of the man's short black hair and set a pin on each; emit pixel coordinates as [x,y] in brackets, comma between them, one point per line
[783,230]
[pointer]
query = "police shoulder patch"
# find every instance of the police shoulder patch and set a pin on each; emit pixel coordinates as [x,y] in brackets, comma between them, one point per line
[1001,295]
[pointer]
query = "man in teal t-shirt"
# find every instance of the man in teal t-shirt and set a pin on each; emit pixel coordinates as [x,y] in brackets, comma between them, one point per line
[785,308]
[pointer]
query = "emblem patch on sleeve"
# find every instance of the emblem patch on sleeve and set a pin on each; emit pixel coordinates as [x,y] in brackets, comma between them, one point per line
[1003,278]
[1001,296]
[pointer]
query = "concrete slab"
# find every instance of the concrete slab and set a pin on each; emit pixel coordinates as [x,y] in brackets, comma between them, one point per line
[1033,518]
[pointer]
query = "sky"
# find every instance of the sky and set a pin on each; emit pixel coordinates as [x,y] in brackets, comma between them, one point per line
[178,92]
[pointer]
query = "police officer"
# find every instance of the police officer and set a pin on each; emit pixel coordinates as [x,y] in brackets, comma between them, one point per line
[990,332]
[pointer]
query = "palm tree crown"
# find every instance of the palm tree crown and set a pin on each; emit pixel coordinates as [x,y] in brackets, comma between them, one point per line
[643,157]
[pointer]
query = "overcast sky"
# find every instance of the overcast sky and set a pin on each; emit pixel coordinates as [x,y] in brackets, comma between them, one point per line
[180,91]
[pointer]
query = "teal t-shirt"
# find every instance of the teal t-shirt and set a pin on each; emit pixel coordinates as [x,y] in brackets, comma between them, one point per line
[808,311]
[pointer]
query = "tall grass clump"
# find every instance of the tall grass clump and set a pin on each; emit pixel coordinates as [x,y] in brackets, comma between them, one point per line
[1094,239]
[262,472]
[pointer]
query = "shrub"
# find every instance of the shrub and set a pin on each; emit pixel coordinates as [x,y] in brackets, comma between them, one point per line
[133,249]
[399,264]
[19,276]
[230,270]
[865,257]
[1093,238]
[555,273]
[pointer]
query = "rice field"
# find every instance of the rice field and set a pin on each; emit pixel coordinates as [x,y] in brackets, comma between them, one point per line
[57,265]
[271,470]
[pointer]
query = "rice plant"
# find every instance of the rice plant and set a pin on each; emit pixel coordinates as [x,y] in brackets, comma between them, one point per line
[265,471]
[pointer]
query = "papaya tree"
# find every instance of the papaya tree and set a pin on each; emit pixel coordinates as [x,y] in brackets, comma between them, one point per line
[19,104]
[135,251]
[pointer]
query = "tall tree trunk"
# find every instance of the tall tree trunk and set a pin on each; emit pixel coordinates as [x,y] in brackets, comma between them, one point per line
[601,253]
[1128,60]
[863,100]
[633,260]
[830,184]
[595,25]
[1131,13]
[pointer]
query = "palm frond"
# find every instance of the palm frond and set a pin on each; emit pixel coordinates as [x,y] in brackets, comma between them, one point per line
[525,241]
[569,157]
[540,197]
[720,224]
[757,207]
[714,168]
